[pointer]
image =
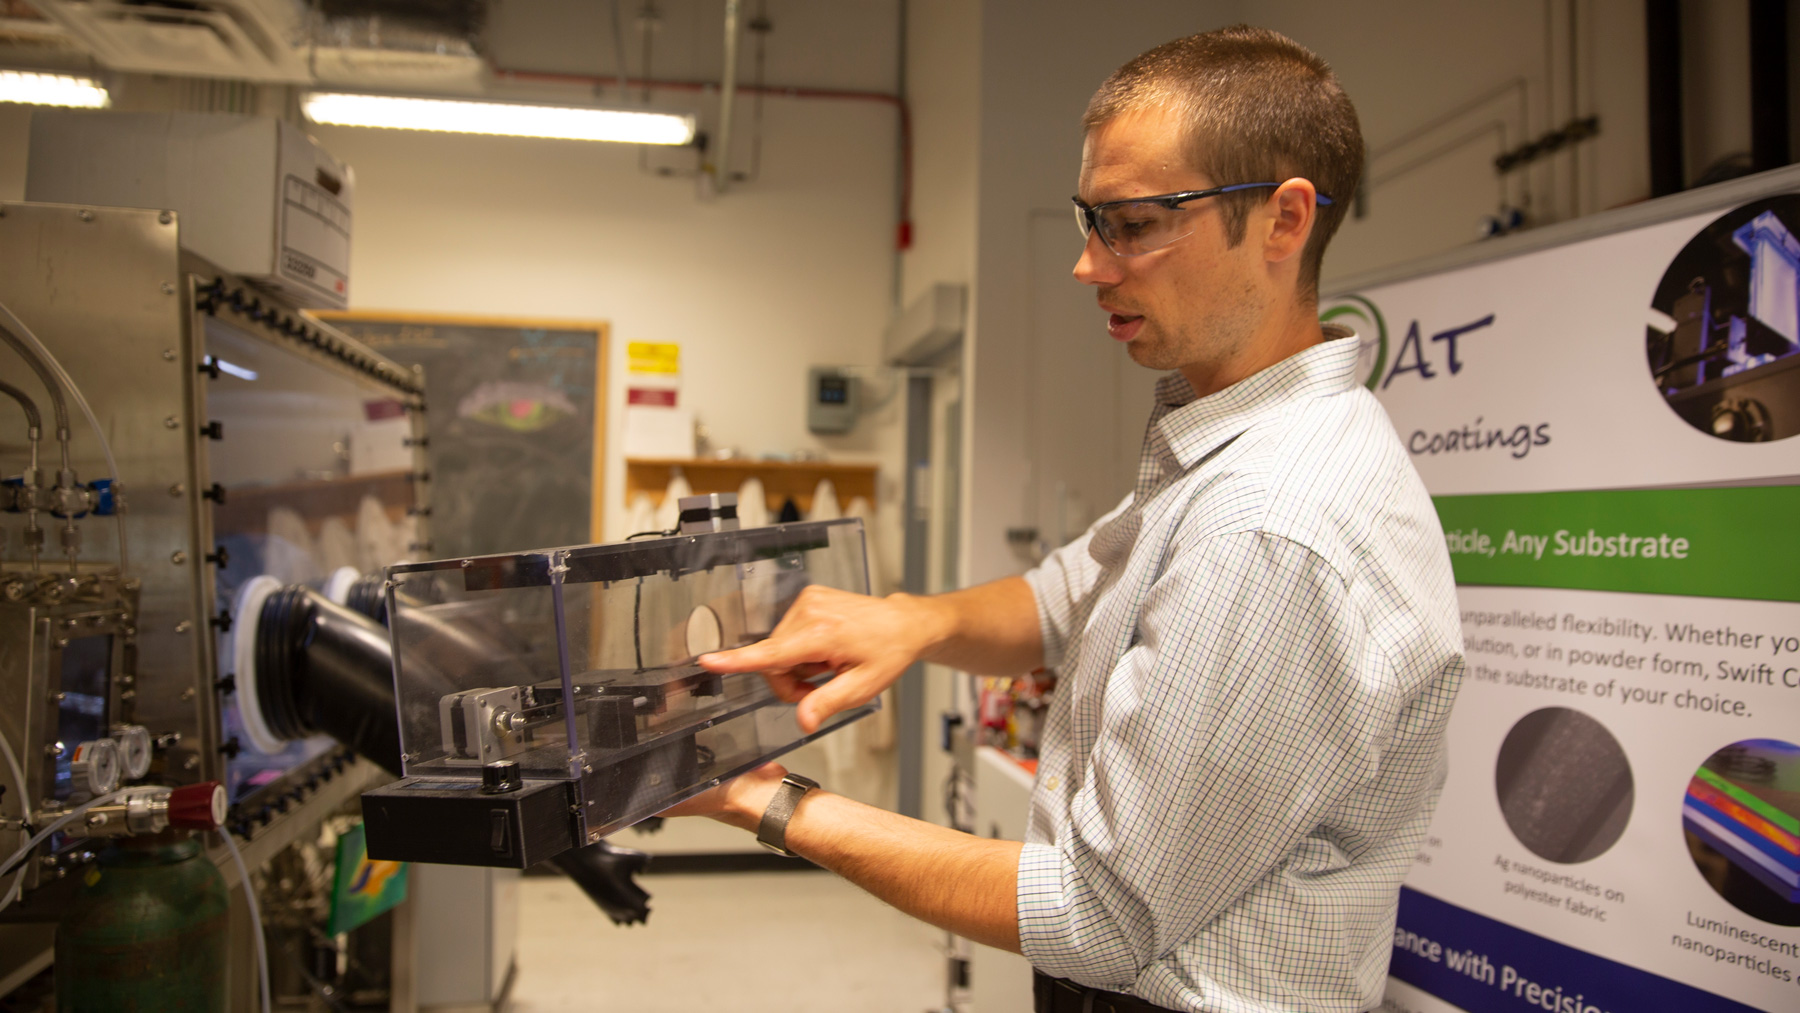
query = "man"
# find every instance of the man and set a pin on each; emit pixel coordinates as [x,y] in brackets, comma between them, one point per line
[1258,649]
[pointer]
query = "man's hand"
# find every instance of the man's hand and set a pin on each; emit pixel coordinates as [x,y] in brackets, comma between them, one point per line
[740,801]
[869,642]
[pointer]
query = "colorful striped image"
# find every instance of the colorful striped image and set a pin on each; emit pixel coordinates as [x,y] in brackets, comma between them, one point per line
[1741,815]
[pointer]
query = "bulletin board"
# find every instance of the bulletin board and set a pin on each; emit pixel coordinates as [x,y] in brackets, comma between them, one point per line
[516,415]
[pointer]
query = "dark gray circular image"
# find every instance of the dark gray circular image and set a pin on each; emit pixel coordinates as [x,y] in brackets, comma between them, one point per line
[1564,785]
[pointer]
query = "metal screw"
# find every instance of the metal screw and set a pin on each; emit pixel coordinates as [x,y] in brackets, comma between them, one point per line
[178,489]
[60,697]
[167,289]
[183,626]
[165,217]
[129,694]
[190,763]
[171,423]
[69,624]
[178,557]
[468,563]
[85,215]
[188,693]
[49,861]
[96,819]
[62,641]
[168,353]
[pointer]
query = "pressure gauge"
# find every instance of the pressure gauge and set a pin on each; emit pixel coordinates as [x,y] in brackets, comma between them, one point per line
[134,750]
[94,767]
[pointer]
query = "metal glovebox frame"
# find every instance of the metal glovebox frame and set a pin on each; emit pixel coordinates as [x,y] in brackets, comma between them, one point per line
[143,327]
[549,698]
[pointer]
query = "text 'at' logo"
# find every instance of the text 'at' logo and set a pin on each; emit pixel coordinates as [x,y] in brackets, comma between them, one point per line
[1412,357]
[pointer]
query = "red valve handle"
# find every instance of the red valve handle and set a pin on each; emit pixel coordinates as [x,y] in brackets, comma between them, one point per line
[197,806]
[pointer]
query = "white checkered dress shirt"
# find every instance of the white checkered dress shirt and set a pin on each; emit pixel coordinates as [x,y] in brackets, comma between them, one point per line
[1258,651]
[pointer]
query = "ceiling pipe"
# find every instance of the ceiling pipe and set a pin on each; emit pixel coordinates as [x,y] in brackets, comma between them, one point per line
[720,163]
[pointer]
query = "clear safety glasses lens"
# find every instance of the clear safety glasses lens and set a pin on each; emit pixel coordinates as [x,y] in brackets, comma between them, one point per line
[1133,228]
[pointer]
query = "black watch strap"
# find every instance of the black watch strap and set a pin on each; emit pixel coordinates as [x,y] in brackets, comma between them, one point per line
[771,833]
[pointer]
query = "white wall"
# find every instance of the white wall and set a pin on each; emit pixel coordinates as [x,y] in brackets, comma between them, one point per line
[754,284]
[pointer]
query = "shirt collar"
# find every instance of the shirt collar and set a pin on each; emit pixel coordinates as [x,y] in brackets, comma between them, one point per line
[1187,428]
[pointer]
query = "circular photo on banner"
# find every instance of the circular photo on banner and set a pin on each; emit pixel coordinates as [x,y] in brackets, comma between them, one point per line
[1723,338]
[1741,816]
[1564,785]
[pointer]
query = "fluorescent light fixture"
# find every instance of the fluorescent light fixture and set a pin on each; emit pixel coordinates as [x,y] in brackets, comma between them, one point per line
[509,119]
[234,369]
[28,88]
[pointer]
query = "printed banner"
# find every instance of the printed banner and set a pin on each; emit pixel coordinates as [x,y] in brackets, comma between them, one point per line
[1608,429]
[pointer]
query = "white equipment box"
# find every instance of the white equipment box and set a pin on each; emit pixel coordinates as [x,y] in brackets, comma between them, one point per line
[255,195]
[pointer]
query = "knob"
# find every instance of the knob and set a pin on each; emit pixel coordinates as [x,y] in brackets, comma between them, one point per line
[197,806]
[501,776]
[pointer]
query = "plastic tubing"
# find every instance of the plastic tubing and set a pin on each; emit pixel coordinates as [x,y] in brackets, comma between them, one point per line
[262,952]
[62,821]
[14,331]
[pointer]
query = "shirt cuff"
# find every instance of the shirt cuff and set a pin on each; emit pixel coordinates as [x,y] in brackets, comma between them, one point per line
[1063,930]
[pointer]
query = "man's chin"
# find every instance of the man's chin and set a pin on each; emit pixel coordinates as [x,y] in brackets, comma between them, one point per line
[1147,352]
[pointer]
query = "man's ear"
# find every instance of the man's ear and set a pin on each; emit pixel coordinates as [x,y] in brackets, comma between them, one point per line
[1295,209]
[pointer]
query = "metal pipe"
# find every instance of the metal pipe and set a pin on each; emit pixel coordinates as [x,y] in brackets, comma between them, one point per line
[721,168]
[1662,43]
[618,34]
[19,336]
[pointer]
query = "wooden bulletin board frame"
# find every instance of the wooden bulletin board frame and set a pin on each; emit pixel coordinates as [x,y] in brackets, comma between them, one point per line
[366,325]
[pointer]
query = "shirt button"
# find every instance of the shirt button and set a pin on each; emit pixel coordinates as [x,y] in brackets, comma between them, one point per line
[1051,782]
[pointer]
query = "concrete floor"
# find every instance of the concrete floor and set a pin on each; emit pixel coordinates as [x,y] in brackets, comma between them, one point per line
[793,942]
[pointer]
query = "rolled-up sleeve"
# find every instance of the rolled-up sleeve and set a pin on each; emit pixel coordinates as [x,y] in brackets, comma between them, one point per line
[1060,582]
[1248,704]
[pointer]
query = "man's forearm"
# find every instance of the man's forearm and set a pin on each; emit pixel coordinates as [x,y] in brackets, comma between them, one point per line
[961,883]
[988,629]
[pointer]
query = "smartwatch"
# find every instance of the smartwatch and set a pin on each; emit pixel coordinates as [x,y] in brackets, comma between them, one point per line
[772,832]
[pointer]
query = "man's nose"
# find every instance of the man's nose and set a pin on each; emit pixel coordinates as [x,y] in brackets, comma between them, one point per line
[1098,265]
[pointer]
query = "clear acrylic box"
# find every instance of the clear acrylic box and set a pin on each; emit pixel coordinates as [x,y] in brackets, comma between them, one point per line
[577,665]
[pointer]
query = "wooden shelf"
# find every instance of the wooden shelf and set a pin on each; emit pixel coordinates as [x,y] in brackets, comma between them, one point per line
[782,480]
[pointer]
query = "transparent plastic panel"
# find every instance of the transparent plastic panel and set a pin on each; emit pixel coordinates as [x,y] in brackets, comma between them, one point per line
[315,474]
[611,696]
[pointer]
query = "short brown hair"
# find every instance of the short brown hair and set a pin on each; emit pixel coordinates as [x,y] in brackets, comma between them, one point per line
[1260,107]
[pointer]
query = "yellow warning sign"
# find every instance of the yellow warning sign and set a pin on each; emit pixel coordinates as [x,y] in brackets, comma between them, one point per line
[653,356]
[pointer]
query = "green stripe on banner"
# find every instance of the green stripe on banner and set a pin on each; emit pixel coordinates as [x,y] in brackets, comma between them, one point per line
[1710,543]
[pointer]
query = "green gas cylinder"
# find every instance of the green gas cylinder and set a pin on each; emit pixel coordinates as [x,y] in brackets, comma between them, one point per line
[146,931]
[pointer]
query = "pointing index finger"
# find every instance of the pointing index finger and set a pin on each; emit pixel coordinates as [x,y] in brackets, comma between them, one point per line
[757,657]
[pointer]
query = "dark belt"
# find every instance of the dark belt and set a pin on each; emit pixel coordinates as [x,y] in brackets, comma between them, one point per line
[1060,995]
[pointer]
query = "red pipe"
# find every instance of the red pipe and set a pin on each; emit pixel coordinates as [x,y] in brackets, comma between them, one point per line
[903,234]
